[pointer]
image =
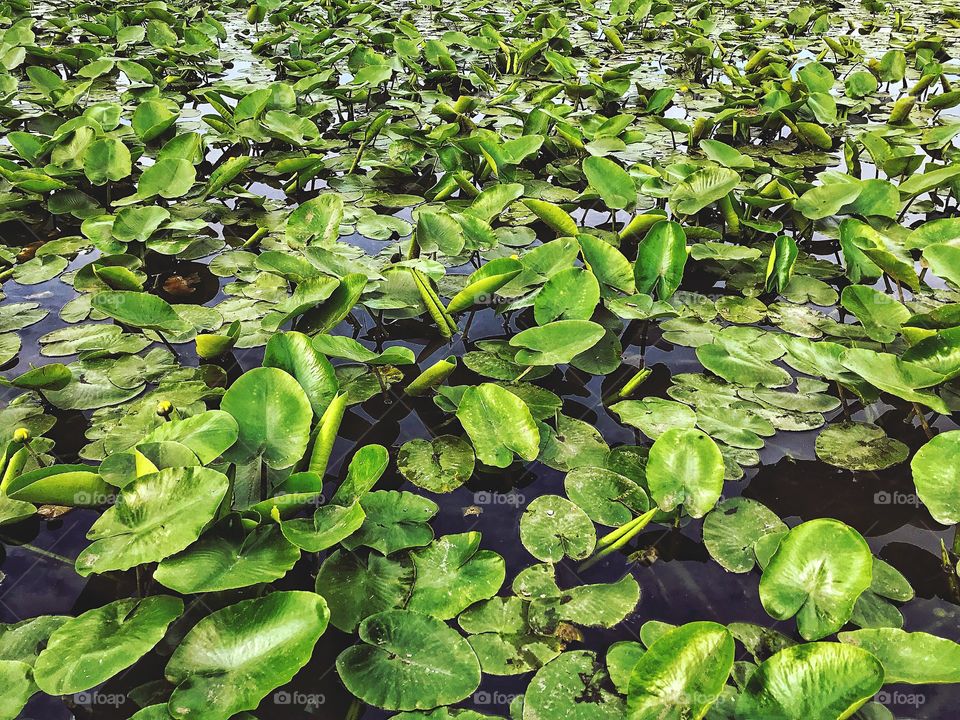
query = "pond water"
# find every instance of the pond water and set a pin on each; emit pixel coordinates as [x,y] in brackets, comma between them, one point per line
[679,580]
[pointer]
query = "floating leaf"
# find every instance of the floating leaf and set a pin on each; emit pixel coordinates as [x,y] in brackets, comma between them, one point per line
[909,657]
[294,353]
[409,661]
[734,527]
[817,573]
[661,258]
[499,424]
[612,182]
[93,647]
[552,528]
[141,310]
[317,220]
[557,342]
[812,680]
[859,446]
[234,657]
[273,414]
[357,586]
[936,475]
[685,468]
[439,465]
[682,673]
[702,188]
[154,517]
[452,573]
[227,558]
[571,294]
[572,686]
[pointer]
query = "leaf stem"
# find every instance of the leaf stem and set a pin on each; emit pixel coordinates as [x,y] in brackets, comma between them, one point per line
[38,551]
[615,540]
[519,377]
[166,342]
[923,421]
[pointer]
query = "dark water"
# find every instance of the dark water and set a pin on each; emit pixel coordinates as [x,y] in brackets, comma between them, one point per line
[679,582]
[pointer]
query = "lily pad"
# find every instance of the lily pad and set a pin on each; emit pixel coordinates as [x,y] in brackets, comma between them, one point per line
[227,558]
[812,680]
[572,687]
[685,468]
[859,446]
[732,529]
[93,647]
[552,528]
[909,657]
[439,465]
[937,476]
[155,516]
[682,672]
[234,657]
[499,424]
[452,573]
[409,661]
[819,570]
[273,414]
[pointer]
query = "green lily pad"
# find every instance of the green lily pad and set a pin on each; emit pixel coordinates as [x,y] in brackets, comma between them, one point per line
[294,353]
[273,414]
[572,686]
[141,310]
[817,573]
[552,528]
[234,657]
[154,517]
[736,363]
[607,497]
[409,661]
[452,573]
[499,424]
[227,558]
[358,585]
[812,680]
[732,529]
[574,443]
[682,672]
[859,446]
[661,259]
[571,294]
[556,343]
[439,465]
[17,680]
[654,416]
[88,650]
[909,657]
[937,476]
[685,468]
[394,521]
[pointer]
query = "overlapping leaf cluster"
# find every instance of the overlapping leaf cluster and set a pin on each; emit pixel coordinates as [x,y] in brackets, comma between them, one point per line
[285,187]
